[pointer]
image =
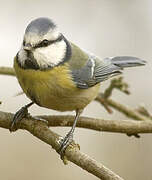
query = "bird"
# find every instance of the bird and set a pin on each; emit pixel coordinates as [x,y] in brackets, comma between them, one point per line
[56,74]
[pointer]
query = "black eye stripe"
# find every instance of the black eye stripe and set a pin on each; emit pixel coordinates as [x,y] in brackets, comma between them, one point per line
[47,43]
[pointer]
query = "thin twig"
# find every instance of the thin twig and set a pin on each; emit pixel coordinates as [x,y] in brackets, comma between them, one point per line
[7,71]
[121,108]
[72,153]
[116,83]
[143,111]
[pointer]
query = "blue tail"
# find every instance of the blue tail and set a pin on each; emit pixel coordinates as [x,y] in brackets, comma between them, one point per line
[127,61]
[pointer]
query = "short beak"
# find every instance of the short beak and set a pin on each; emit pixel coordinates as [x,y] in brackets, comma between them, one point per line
[27,47]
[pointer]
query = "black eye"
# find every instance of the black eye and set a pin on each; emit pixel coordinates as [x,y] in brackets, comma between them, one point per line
[44,43]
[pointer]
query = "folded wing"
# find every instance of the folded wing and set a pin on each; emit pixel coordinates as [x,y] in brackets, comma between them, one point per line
[96,70]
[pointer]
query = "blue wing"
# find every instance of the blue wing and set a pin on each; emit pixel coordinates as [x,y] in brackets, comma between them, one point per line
[96,70]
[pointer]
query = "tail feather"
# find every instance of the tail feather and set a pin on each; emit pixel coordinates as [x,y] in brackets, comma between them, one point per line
[127,61]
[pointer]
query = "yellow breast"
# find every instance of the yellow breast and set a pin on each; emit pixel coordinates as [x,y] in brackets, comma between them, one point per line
[54,88]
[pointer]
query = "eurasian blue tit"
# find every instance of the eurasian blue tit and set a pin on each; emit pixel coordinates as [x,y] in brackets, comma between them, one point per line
[56,74]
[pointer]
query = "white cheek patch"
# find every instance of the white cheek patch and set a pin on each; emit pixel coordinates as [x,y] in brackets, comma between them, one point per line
[50,55]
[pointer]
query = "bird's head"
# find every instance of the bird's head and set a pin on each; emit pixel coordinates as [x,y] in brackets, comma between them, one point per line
[43,45]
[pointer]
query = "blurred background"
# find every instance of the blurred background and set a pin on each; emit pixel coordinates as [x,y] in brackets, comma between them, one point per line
[105,28]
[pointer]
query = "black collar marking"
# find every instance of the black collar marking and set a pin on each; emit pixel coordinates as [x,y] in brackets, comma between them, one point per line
[68,51]
[30,62]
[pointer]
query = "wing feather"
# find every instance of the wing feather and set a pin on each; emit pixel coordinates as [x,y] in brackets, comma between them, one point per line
[96,70]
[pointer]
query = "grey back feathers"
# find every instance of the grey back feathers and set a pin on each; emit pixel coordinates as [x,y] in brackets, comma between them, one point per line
[96,70]
[40,26]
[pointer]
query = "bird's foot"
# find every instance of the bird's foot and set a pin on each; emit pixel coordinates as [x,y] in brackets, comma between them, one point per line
[19,115]
[64,143]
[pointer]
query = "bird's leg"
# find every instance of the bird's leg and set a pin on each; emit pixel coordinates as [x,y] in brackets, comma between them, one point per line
[19,115]
[69,137]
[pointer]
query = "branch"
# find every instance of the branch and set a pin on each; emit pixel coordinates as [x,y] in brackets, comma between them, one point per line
[116,83]
[7,71]
[121,108]
[41,131]
[115,126]
[143,111]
